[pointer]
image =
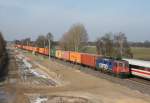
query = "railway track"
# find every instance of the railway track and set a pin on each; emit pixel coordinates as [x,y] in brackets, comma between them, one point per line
[140,81]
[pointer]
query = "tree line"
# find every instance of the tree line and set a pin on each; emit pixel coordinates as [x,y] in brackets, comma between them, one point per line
[145,44]
[76,39]
[3,58]
[113,45]
[41,41]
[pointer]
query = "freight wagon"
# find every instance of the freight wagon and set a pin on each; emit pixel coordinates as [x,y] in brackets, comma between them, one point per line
[30,48]
[65,55]
[53,52]
[18,46]
[46,51]
[35,49]
[58,54]
[25,47]
[88,60]
[75,57]
[41,50]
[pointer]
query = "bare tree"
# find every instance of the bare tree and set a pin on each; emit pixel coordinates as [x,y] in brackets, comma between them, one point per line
[75,39]
[26,41]
[100,46]
[49,38]
[41,41]
[121,45]
[17,42]
[50,41]
[105,45]
[64,42]
[117,46]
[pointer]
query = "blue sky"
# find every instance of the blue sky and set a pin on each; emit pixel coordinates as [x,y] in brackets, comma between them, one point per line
[30,18]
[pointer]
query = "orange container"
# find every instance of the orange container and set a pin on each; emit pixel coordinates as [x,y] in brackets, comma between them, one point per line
[75,57]
[59,54]
[35,49]
[26,47]
[18,46]
[30,48]
[41,51]
[46,51]
[88,59]
[23,47]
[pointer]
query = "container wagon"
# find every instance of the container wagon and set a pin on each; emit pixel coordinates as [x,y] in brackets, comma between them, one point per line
[58,54]
[53,52]
[35,49]
[88,60]
[75,57]
[41,50]
[65,55]
[46,51]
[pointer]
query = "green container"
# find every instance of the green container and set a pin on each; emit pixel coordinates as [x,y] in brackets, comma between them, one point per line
[53,52]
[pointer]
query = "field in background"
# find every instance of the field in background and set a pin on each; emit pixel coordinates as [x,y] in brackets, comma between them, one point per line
[138,52]
[141,53]
[91,49]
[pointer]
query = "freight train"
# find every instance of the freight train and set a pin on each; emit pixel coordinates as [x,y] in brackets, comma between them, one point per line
[122,68]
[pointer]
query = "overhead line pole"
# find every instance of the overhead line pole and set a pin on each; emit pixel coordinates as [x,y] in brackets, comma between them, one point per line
[49,42]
